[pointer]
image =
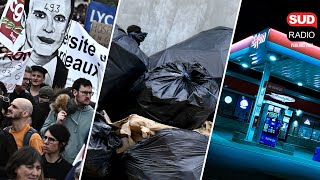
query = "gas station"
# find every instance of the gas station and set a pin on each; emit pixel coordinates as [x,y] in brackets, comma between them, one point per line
[275,108]
[267,124]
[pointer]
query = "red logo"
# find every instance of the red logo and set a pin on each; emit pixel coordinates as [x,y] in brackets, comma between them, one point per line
[302,19]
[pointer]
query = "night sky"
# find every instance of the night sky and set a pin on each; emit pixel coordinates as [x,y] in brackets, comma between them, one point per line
[256,15]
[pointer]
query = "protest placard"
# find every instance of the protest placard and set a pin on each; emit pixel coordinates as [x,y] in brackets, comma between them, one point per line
[12,67]
[101,33]
[99,12]
[83,57]
[12,31]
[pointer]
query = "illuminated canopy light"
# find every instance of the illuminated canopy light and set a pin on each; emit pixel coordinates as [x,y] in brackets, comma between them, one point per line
[245,65]
[300,84]
[298,112]
[228,99]
[272,57]
[255,62]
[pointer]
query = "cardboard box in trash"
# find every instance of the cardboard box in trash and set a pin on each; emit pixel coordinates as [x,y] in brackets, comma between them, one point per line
[135,127]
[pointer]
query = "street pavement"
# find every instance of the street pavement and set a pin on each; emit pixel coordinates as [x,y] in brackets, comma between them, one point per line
[230,160]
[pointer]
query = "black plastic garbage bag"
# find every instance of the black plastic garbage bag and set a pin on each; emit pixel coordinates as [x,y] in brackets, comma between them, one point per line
[209,48]
[126,63]
[169,154]
[179,94]
[101,150]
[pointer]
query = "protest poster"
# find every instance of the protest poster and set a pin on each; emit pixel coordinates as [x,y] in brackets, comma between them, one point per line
[101,33]
[12,67]
[83,57]
[79,54]
[12,29]
[99,12]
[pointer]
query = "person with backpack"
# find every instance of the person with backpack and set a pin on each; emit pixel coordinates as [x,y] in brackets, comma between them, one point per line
[18,113]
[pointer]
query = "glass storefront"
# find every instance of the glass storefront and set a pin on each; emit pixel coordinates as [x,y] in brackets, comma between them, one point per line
[238,107]
[307,127]
[235,106]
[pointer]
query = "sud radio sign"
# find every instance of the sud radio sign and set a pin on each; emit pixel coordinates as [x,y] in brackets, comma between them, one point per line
[303,26]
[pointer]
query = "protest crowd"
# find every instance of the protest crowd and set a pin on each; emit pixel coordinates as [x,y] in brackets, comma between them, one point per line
[46,103]
[55,123]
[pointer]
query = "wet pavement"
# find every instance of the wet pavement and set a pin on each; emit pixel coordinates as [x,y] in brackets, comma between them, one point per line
[231,160]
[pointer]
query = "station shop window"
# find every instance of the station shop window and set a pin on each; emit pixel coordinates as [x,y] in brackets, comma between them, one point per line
[305,132]
[227,104]
[316,131]
[309,128]
[316,134]
[235,106]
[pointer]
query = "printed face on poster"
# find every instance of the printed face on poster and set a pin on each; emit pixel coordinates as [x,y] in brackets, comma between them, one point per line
[58,44]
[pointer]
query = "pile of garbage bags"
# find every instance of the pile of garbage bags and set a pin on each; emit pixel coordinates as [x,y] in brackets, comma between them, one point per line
[179,94]
[159,107]
[169,154]
[143,149]
[101,149]
[187,74]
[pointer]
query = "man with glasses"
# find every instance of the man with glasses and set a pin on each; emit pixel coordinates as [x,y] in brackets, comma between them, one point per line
[20,91]
[77,119]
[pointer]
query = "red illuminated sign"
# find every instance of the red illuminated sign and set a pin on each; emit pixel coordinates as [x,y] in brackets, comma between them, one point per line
[302,19]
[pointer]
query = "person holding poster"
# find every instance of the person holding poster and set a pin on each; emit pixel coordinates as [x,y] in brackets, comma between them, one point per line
[46,26]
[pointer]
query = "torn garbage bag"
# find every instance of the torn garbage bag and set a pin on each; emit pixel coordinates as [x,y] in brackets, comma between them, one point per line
[101,149]
[169,154]
[179,94]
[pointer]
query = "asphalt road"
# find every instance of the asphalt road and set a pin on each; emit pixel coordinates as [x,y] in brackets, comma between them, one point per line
[232,161]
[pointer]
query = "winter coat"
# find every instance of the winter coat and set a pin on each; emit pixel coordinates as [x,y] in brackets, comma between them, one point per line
[78,122]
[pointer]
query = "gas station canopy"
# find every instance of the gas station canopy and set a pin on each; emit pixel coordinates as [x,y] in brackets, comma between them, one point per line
[292,61]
